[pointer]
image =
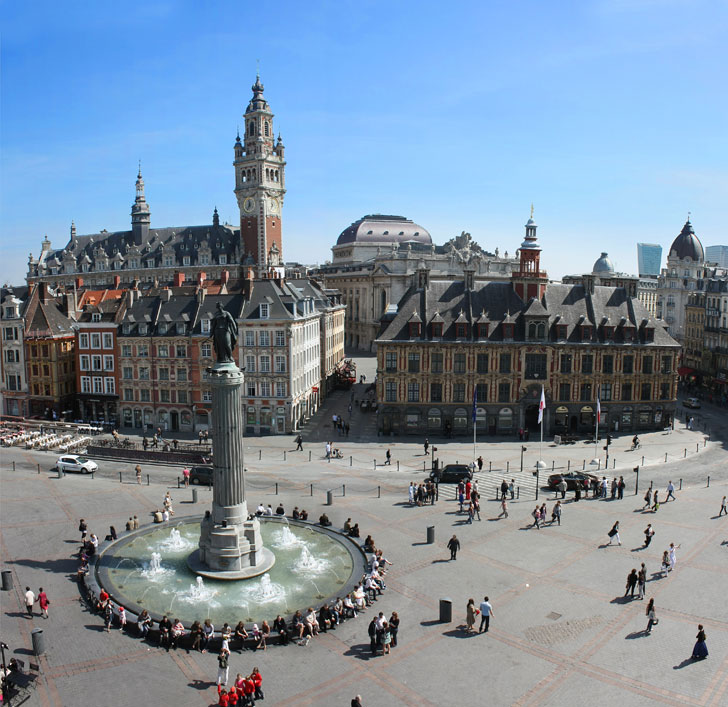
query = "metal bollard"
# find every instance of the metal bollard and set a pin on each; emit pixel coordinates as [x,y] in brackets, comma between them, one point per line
[490,466]
[351,461]
[374,461]
[119,477]
[397,464]
[685,453]
[697,448]
[284,455]
[329,498]
[508,467]
[60,473]
[423,466]
[518,492]
[309,455]
[643,461]
[583,465]
[343,489]
[680,489]
[379,491]
[665,457]
[39,468]
[709,482]
[312,489]
[92,475]
[552,466]
[178,482]
[276,488]
[13,466]
[194,495]
[614,463]
[260,454]
[147,479]
[430,534]
[568,465]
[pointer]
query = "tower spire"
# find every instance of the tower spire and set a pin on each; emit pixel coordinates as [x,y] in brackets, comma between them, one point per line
[140,213]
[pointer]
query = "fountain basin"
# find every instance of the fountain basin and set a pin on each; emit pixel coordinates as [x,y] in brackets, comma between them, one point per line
[313,565]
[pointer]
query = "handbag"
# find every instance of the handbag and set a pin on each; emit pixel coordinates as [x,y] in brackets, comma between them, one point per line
[656,621]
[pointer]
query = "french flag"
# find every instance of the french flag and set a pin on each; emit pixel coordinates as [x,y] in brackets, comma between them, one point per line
[541,406]
[599,411]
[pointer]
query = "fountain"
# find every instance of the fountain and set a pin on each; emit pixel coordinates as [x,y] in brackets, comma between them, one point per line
[231,548]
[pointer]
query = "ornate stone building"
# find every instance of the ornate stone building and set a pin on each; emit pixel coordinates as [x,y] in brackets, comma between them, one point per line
[375,258]
[14,380]
[175,255]
[450,342]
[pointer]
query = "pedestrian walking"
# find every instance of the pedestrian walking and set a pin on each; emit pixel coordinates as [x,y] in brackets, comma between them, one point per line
[29,601]
[299,443]
[394,627]
[670,492]
[632,579]
[476,505]
[461,497]
[411,493]
[652,618]
[648,499]
[43,603]
[453,545]
[186,476]
[470,614]
[723,508]
[108,616]
[641,581]
[388,462]
[614,533]
[562,488]
[673,556]
[649,532]
[504,509]
[620,488]
[512,489]
[614,488]
[486,611]
[700,649]
[373,635]
[504,488]
[655,502]
[122,619]
[480,463]
[223,667]
[427,446]
[665,565]
[556,513]
[83,528]
[536,514]
[138,470]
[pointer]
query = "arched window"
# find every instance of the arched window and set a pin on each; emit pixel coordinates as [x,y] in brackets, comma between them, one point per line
[251,128]
[276,175]
[384,300]
[541,330]
[532,330]
[267,130]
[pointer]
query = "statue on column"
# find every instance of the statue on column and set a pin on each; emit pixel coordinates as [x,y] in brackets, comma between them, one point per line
[224,335]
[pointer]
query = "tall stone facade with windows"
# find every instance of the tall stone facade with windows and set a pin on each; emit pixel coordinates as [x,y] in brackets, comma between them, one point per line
[14,381]
[450,343]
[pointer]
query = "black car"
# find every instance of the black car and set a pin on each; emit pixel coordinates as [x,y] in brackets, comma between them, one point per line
[571,478]
[201,475]
[452,474]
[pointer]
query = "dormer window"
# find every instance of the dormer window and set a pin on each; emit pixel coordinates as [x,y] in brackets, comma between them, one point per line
[162,328]
[185,260]
[537,331]
[126,328]
[96,317]
[143,329]
[608,333]
[649,334]
[483,330]
[414,329]
[437,329]
[508,331]
[461,330]
[586,332]
[223,259]
[561,331]
[205,326]
[264,309]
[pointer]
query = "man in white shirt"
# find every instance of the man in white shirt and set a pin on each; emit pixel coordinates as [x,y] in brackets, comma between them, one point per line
[29,600]
[486,611]
[670,492]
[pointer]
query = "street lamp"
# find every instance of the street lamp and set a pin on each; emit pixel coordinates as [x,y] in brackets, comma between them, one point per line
[523,449]
[434,461]
[540,464]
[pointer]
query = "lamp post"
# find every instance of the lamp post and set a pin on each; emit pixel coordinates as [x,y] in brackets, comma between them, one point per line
[539,465]
[434,461]
[523,449]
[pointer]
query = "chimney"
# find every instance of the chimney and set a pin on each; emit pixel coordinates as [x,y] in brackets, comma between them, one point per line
[201,295]
[131,295]
[70,301]
[250,274]
[117,281]
[224,277]
[179,278]
[201,279]
[44,294]
[166,294]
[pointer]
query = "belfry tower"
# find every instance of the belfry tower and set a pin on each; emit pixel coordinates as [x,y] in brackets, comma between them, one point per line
[259,181]
[529,280]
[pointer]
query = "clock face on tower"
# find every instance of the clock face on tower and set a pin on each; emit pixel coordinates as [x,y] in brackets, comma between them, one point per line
[249,205]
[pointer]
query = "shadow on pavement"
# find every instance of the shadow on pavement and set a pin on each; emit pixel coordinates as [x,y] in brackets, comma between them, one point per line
[685,663]
[362,651]
[635,634]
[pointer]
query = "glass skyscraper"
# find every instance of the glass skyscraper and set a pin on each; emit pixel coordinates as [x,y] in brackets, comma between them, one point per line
[649,258]
[717,254]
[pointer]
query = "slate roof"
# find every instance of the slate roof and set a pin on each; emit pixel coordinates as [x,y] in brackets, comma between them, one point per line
[378,228]
[496,302]
[688,245]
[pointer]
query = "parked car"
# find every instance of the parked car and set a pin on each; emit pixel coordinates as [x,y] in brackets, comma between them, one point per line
[571,478]
[691,403]
[452,474]
[73,462]
[201,475]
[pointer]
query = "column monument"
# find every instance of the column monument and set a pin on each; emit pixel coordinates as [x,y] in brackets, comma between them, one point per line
[230,545]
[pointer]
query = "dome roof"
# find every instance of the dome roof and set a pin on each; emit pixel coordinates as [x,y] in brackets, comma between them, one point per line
[687,245]
[378,228]
[603,264]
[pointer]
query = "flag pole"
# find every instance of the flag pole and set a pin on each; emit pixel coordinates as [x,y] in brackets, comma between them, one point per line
[596,430]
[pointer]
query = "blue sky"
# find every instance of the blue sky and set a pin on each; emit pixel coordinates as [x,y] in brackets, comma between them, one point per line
[608,115]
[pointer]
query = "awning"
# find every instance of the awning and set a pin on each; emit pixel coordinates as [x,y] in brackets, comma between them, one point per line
[684,371]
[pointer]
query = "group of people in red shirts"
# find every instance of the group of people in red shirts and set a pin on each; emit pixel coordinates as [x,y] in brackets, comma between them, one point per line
[244,692]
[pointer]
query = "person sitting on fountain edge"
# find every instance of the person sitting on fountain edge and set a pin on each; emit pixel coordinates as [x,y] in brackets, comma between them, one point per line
[304,514]
[260,510]
[296,513]
[354,532]
[280,511]
[324,520]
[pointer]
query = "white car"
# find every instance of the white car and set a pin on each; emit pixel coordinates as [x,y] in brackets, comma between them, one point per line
[72,462]
[693,403]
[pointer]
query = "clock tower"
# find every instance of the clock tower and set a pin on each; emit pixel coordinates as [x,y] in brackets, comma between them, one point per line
[259,182]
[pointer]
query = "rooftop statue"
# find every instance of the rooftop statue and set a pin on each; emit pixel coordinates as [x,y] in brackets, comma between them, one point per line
[224,335]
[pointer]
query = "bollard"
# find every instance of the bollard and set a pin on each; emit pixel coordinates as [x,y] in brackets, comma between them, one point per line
[309,455]
[680,489]
[60,473]
[284,456]
[709,482]
[599,464]
[329,498]
[614,463]
[397,464]
[568,465]
[518,492]
[343,489]
[379,491]
[178,482]
[260,454]
[92,475]
[445,611]
[7,576]
[490,466]
[276,488]
[430,534]
[697,448]
[194,495]
[508,467]
[351,461]
[423,466]
[312,489]
[375,464]
[685,453]
[13,466]
[119,477]
[552,466]
[643,461]
[583,466]
[147,479]
[665,457]
[39,468]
